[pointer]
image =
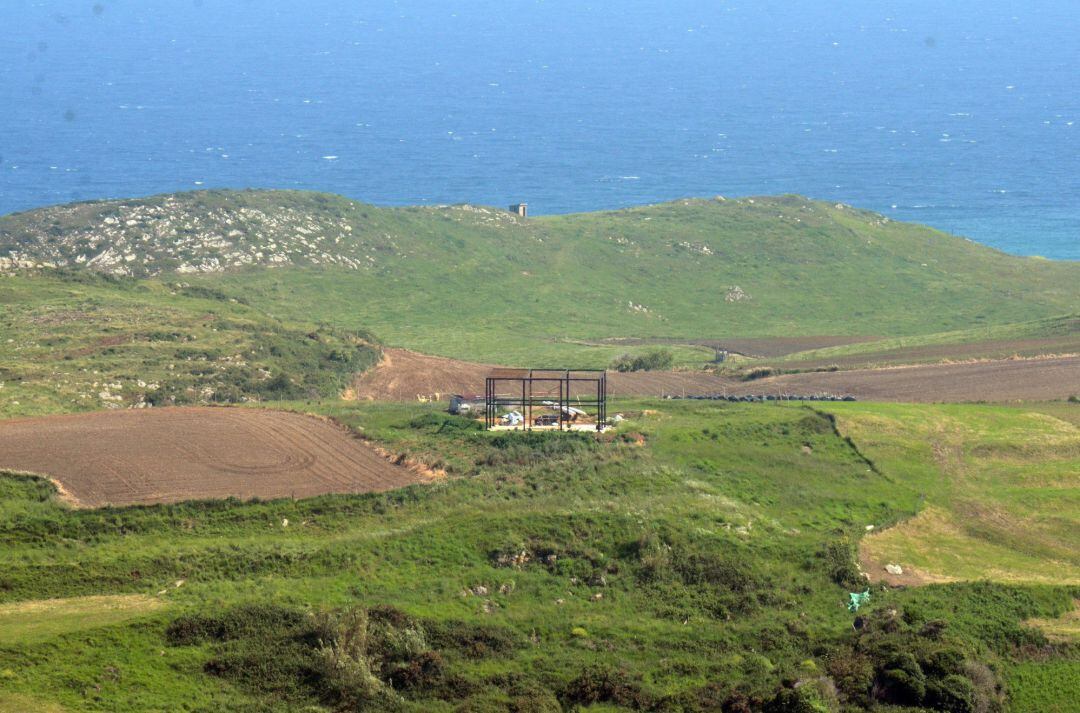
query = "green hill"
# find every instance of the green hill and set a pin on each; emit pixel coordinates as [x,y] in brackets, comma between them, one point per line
[77,342]
[481,283]
[702,562]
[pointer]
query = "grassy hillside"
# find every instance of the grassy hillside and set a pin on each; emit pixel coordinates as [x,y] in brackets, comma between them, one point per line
[999,483]
[479,283]
[80,342]
[700,562]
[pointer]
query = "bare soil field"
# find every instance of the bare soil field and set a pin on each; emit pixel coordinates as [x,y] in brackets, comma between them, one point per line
[169,455]
[404,375]
[407,376]
[1041,379]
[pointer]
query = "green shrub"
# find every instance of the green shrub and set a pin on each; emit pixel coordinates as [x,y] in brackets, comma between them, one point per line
[804,699]
[943,662]
[652,360]
[759,372]
[519,449]
[252,620]
[839,559]
[601,684]
[902,680]
[444,423]
[350,659]
[952,694]
[474,641]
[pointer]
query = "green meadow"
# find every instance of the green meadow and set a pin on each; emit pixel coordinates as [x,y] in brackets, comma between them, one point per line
[1000,486]
[698,559]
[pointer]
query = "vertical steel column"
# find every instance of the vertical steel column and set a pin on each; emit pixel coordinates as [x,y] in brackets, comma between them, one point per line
[602,388]
[599,406]
[560,406]
[489,407]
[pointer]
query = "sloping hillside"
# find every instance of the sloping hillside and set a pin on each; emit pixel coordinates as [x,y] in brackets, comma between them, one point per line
[85,342]
[480,283]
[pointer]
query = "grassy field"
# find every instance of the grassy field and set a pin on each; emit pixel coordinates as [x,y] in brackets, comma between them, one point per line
[1000,484]
[80,342]
[477,283]
[701,558]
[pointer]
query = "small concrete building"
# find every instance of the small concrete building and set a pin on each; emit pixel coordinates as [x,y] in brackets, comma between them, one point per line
[521,210]
[466,404]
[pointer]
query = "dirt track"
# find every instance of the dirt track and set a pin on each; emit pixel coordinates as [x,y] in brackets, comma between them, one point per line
[169,455]
[406,376]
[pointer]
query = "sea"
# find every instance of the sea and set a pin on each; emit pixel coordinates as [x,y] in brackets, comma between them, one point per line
[964,115]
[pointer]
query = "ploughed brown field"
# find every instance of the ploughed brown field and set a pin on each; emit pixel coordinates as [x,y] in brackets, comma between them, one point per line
[403,375]
[174,454]
[407,376]
[1037,379]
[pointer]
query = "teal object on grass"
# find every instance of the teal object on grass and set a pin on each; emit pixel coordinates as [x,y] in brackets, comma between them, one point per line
[857,600]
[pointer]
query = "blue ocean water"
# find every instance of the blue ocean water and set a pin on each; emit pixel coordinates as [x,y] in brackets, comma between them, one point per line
[962,115]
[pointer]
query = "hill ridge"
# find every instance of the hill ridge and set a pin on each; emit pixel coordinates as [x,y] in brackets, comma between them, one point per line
[479,283]
[213,231]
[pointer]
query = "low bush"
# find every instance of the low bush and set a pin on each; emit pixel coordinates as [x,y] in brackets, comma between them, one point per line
[953,694]
[838,557]
[253,620]
[349,659]
[901,680]
[601,684]
[440,423]
[517,449]
[474,641]
[652,360]
[759,372]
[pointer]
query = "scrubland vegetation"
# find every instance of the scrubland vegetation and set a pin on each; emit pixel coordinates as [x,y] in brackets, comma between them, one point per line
[698,560]
[80,341]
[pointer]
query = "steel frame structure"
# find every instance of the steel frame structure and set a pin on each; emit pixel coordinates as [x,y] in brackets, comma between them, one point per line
[528,388]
